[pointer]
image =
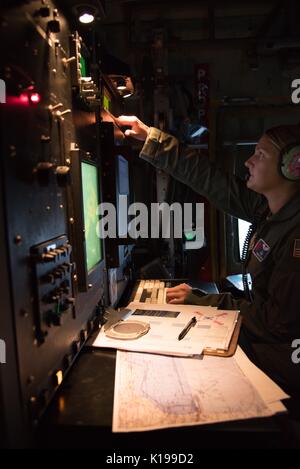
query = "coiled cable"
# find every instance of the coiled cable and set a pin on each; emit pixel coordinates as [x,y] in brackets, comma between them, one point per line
[244,256]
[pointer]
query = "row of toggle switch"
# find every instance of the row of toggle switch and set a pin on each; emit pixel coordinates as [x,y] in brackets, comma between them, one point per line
[53,254]
[58,273]
[37,402]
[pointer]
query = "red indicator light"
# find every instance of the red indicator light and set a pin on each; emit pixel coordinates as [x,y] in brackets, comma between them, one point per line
[35,98]
[24,99]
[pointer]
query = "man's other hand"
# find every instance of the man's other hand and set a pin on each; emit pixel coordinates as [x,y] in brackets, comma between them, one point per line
[138,130]
[178,294]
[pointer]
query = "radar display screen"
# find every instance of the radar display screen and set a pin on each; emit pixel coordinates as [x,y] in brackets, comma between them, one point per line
[91,200]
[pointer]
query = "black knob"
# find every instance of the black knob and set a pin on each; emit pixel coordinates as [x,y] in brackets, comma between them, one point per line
[53,26]
[67,361]
[49,278]
[44,11]
[58,273]
[56,320]
[75,348]
[65,284]
[70,301]
[83,336]
[43,171]
[53,318]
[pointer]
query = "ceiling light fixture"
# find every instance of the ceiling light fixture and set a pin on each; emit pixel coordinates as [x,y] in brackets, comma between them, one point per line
[86,18]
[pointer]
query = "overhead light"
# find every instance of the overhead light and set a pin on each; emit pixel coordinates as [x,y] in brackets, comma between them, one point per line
[86,14]
[86,18]
[127,95]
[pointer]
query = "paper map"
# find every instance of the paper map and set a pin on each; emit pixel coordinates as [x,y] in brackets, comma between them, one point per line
[169,392]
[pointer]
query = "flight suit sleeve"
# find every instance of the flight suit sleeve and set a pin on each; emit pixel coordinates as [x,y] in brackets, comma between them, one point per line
[227,192]
[193,298]
[280,310]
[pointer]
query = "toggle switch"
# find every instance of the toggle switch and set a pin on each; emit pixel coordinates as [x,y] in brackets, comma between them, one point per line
[58,273]
[68,247]
[63,175]
[48,257]
[62,170]
[86,80]
[53,107]
[67,61]
[45,139]
[68,267]
[60,250]
[59,115]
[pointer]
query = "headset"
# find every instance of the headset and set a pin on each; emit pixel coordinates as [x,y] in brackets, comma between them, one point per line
[289,162]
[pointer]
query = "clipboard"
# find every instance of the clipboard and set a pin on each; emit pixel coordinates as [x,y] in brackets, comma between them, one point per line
[232,346]
[144,345]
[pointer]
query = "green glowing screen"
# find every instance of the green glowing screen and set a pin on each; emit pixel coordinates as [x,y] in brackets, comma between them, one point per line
[106,103]
[91,201]
[83,66]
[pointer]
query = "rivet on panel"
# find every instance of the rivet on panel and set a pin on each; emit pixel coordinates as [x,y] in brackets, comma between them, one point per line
[18,239]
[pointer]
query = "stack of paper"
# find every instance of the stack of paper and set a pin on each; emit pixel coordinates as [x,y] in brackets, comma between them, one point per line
[171,392]
[213,329]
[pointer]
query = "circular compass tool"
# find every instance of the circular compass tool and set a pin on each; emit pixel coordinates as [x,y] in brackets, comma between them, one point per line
[128,330]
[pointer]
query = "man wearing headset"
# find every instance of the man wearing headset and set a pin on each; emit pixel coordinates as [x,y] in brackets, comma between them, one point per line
[271,200]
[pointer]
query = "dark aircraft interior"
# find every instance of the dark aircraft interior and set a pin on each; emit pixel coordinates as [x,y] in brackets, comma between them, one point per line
[215,75]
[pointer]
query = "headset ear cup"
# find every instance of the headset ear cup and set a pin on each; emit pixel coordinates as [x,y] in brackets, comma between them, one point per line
[289,162]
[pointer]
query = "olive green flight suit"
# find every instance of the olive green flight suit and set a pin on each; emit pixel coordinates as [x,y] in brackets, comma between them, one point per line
[271,323]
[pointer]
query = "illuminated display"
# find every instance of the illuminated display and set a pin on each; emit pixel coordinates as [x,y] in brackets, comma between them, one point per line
[83,67]
[91,201]
[106,103]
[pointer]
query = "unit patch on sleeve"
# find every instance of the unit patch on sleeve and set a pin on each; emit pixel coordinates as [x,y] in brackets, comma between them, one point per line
[296,252]
[261,250]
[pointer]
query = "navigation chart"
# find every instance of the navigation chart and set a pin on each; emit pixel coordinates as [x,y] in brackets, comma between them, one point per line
[171,391]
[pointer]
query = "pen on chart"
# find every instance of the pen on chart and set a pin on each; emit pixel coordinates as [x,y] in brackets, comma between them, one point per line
[186,329]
